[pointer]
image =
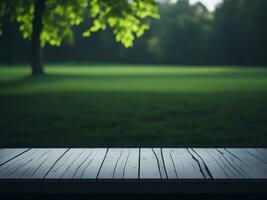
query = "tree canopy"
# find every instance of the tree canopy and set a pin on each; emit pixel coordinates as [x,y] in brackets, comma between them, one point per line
[124,17]
[234,34]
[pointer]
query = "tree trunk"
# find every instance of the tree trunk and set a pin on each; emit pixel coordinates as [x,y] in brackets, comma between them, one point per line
[37,51]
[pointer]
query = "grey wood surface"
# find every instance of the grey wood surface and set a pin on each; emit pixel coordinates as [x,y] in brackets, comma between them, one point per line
[182,164]
[78,163]
[120,164]
[133,163]
[8,154]
[34,163]
[149,166]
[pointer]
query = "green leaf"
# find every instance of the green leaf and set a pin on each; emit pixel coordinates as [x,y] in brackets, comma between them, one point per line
[86,34]
[126,18]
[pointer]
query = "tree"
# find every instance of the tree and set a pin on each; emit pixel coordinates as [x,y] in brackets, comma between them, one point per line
[52,21]
[183,35]
[240,30]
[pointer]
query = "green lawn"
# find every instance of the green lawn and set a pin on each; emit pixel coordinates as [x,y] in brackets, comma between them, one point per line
[132,106]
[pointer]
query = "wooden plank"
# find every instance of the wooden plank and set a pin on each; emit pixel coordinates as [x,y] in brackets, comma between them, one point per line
[248,162]
[262,151]
[78,163]
[71,164]
[132,165]
[93,166]
[191,163]
[158,154]
[259,155]
[34,163]
[229,164]
[43,164]
[169,164]
[149,165]
[109,166]
[181,164]
[214,166]
[8,154]
[120,164]
[9,170]
[238,164]
[201,163]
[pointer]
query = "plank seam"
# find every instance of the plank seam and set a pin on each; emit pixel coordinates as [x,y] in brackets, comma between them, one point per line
[24,161]
[55,163]
[102,163]
[39,167]
[18,160]
[174,167]
[15,156]
[157,162]
[88,164]
[77,169]
[206,167]
[161,153]
[124,167]
[114,171]
[71,153]
[74,160]
[199,166]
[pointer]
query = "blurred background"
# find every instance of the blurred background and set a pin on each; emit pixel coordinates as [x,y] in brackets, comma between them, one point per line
[197,78]
[229,32]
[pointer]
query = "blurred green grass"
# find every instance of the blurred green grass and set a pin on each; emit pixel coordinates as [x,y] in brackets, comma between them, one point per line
[132,106]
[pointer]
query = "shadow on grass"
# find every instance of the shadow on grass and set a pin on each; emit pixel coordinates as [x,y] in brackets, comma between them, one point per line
[58,77]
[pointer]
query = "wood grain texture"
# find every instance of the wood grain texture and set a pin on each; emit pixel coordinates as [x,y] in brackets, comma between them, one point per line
[126,165]
[110,163]
[34,163]
[182,165]
[233,167]
[120,164]
[247,162]
[148,165]
[8,154]
[134,163]
[214,166]
[78,163]
[68,165]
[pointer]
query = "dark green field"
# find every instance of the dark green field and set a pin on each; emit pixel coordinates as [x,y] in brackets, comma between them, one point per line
[129,106]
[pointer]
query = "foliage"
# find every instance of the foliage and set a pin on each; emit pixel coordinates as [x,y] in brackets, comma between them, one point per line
[126,18]
[235,34]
